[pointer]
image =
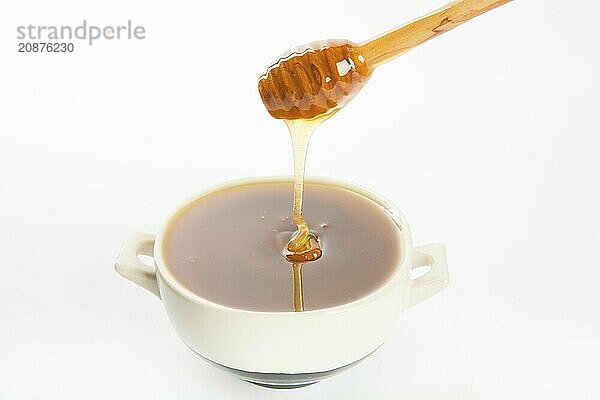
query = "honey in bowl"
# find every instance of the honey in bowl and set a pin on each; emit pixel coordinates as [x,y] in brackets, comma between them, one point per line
[228,247]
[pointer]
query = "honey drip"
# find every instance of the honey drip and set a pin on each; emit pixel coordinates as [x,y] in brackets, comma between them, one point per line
[300,132]
[310,84]
[304,246]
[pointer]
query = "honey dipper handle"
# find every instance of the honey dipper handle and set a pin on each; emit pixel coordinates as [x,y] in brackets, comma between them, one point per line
[392,44]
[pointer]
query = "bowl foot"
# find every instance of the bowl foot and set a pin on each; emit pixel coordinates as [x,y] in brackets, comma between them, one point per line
[275,380]
[284,387]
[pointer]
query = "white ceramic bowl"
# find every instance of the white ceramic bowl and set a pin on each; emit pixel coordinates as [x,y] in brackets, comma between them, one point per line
[287,349]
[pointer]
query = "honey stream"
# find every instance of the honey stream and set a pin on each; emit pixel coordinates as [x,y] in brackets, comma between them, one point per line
[304,246]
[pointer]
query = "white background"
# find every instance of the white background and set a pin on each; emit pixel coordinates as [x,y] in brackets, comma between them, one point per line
[487,138]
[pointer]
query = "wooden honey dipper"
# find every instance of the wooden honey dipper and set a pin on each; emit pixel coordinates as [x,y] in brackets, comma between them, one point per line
[322,77]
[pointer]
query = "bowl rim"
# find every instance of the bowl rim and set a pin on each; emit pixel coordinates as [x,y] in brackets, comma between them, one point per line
[399,275]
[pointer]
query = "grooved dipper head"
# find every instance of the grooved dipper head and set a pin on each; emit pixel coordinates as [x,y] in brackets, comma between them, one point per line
[313,80]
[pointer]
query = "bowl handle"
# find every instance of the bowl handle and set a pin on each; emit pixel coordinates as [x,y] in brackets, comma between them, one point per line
[129,265]
[434,280]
